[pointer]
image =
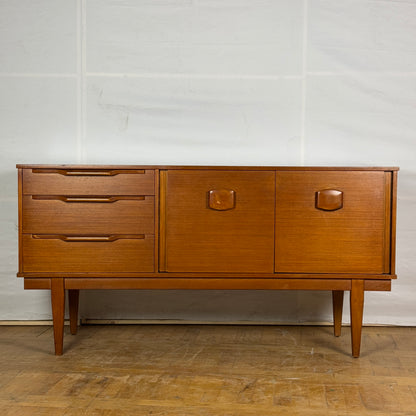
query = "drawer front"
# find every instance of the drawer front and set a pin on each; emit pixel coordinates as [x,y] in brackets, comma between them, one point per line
[72,254]
[217,221]
[88,182]
[331,222]
[85,215]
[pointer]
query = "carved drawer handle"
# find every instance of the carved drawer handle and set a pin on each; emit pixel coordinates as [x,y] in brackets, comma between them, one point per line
[329,199]
[221,199]
[100,199]
[88,172]
[87,238]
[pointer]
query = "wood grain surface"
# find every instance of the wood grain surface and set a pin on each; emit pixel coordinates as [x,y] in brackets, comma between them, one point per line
[54,216]
[122,255]
[347,240]
[207,370]
[124,183]
[200,239]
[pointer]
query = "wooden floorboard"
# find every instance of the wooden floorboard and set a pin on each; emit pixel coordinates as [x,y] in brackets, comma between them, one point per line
[206,370]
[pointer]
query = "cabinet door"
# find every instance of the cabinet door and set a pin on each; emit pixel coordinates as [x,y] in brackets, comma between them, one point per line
[332,222]
[217,221]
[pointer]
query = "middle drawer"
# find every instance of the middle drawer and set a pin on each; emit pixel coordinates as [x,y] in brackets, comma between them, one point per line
[88,215]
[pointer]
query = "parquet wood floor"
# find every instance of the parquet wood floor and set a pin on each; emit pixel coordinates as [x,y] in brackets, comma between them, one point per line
[207,370]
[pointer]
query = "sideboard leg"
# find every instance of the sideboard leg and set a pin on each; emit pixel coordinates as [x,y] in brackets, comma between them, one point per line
[73,297]
[58,312]
[356,310]
[337,304]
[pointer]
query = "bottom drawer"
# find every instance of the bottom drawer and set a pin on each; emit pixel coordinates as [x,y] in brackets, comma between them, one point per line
[66,254]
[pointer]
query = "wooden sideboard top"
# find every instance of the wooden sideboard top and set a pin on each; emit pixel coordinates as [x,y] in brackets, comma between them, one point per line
[219,167]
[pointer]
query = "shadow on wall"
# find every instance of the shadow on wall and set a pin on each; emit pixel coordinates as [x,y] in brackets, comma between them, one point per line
[208,306]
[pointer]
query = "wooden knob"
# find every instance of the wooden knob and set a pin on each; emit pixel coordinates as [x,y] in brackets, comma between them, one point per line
[221,199]
[329,199]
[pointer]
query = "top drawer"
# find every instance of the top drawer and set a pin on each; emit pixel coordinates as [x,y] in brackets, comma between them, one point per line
[88,182]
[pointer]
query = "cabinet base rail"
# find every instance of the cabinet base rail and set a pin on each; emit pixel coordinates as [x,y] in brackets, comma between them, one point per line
[356,287]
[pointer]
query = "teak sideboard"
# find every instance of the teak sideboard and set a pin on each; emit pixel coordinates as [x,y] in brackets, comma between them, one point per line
[207,227]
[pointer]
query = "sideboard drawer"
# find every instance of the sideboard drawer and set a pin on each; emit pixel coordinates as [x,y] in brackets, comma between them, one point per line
[88,182]
[95,254]
[85,215]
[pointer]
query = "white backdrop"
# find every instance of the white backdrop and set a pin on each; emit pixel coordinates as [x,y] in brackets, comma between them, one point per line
[236,82]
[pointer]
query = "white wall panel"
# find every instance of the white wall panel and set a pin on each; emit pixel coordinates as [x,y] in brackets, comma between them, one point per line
[208,37]
[361,119]
[193,121]
[406,246]
[361,35]
[8,235]
[38,124]
[38,36]
[256,82]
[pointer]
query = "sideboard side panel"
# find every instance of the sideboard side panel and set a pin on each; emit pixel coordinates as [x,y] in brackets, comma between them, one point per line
[20,217]
[393,223]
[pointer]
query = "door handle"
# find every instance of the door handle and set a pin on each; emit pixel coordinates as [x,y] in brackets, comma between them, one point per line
[88,238]
[100,199]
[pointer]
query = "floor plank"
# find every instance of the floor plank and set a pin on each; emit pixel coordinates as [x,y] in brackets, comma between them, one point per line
[207,370]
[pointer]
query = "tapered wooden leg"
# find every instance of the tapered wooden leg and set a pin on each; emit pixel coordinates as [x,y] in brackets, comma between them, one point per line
[58,312]
[73,297]
[356,310]
[337,303]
